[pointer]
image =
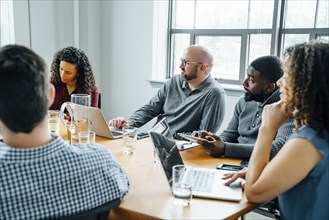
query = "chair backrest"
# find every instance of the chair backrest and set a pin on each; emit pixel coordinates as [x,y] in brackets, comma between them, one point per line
[100,213]
[100,94]
[269,209]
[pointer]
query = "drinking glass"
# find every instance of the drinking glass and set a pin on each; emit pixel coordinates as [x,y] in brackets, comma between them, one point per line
[53,121]
[182,185]
[129,139]
[87,137]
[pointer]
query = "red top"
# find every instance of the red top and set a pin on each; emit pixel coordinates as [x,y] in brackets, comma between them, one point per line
[62,96]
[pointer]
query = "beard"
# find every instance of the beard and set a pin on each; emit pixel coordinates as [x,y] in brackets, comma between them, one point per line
[260,97]
[192,75]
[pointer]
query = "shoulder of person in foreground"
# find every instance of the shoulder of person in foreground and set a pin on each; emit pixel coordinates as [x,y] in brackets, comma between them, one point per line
[102,159]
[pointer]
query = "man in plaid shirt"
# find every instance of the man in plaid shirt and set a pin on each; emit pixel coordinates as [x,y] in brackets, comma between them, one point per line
[41,176]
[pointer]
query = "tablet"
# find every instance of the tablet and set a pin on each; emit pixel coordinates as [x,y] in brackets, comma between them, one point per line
[191,137]
[185,145]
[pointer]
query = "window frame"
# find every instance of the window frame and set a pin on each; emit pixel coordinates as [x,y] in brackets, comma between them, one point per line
[277,32]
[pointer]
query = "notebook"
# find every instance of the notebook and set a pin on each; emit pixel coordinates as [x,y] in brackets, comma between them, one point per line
[99,125]
[208,182]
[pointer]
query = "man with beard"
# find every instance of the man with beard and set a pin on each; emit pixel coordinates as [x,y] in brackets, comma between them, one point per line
[238,139]
[193,100]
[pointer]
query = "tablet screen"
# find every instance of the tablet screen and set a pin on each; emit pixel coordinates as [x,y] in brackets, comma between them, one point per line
[191,137]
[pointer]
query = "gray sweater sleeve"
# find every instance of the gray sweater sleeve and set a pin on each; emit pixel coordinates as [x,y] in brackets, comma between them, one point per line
[231,133]
[236,150]
[150,110]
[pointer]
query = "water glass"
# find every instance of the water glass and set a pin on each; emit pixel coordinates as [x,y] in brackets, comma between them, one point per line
[87,137]
[53,121]
[129,139]
[182,185]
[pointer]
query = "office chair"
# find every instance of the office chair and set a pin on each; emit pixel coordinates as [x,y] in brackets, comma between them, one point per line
[100,94]
[269,209]
[100,213]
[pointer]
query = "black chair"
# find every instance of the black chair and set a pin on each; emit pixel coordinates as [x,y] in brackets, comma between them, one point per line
[269,209]
[100,94]
[99,213]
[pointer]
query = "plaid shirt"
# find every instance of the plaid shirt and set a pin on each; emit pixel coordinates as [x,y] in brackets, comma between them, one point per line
[57,180]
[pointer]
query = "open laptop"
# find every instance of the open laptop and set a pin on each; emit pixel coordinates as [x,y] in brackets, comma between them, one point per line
[208,182]
[99,125]
[162,127]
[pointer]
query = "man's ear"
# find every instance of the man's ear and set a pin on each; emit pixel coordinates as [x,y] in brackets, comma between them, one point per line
[203,67]
[270,87]
[51,94]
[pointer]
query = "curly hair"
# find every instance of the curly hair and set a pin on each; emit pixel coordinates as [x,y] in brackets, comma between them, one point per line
[85,81]
[307,75]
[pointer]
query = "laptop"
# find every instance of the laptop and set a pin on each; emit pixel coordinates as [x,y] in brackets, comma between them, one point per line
[99,125]
[208,183]
[162,127]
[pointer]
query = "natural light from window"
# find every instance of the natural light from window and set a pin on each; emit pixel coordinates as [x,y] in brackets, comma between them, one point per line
[6,22]
[239,31]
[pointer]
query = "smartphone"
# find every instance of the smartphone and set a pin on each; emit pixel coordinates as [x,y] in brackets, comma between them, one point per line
[231,167]
[142,135]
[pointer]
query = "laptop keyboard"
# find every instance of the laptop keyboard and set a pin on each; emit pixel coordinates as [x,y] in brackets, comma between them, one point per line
[203,180]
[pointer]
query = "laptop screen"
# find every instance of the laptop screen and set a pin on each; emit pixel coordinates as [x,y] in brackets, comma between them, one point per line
[168,153]
[163,128]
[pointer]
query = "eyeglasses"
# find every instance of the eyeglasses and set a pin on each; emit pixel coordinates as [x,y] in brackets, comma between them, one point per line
[184,62]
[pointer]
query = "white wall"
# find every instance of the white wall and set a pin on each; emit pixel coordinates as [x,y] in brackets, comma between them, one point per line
[117,37]
[127,56]
[47,26]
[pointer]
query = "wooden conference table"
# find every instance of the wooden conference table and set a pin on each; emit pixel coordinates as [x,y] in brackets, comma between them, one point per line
[150,196]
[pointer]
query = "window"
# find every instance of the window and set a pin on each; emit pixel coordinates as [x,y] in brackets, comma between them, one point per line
[6,22]
[237,32]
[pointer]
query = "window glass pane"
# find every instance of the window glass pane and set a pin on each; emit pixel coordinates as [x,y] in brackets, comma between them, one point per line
[180,42]
[183,14]
[292,39]
[324,38]
[261,14]
[323,14]
[221,14]
[226,52]
[300,14]
[7,35]
[260,45]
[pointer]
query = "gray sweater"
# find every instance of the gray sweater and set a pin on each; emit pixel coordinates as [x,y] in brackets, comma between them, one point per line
[185,110]
[241,134]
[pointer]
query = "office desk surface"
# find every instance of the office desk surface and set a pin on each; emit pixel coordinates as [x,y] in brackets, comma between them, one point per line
[149,195]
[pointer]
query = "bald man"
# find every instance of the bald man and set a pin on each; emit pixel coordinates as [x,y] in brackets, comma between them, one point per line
[193,100]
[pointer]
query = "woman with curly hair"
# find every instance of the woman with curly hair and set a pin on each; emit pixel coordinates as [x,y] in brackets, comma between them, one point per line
[299,173]
[71,74]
